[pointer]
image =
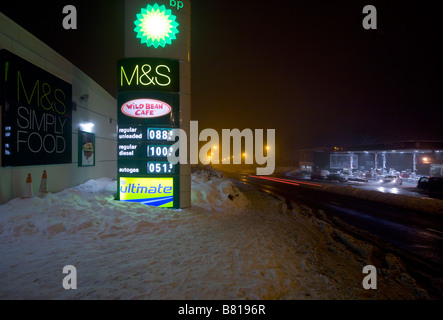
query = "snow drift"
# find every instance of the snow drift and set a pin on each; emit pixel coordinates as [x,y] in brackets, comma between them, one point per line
[234,243]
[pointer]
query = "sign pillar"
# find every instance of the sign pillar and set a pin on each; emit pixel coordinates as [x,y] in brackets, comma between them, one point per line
[154,97]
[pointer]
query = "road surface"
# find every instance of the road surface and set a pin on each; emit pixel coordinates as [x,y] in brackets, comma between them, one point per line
[416,236]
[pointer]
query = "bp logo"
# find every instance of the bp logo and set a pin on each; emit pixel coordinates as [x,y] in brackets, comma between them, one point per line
[156,26]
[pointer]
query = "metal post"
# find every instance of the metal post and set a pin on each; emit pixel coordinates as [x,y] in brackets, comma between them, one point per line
[376,161]
[414,164]
[351,164]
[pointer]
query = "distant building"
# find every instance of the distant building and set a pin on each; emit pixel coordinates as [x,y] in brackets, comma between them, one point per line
[410,157]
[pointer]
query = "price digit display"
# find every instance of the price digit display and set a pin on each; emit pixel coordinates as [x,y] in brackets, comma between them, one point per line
[160,134]
[159,151]
[160,167]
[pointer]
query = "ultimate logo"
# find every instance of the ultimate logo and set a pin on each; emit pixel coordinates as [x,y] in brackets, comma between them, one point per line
[156,26]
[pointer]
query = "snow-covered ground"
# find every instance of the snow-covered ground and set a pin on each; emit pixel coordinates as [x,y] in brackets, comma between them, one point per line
[233,243]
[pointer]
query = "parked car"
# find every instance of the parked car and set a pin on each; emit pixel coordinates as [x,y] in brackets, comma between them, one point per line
[388,178]
[392,178]
[299,174]
[433,184]
[404,174]
[319,174]
[336,177]
[369,175]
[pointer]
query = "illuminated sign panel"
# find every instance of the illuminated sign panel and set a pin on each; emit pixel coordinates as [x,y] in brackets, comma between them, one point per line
[144,150]
[156,26]
[148,110]
[153,108]
[148,74]
[36,114]
[145,108]
[132,149]
[141,132]
[150,191]
[141,168]
[131,132]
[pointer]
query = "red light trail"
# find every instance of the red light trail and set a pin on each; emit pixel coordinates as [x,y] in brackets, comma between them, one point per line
[292,182]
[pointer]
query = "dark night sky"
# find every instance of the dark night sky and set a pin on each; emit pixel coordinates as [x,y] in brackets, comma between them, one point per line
[305,68]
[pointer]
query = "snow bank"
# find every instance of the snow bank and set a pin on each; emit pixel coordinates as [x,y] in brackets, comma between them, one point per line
[213,193]
[234,243]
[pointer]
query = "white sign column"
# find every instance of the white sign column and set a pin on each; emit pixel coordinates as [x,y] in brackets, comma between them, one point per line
[170,41]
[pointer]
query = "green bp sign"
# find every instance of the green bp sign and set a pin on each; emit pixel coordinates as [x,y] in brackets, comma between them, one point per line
[156,26]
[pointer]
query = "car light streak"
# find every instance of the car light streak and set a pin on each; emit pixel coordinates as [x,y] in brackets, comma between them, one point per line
[295,183]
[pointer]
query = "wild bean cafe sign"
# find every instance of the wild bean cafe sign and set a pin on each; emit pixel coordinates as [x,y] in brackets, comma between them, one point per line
[36,114]
[146,108]
[147,111]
